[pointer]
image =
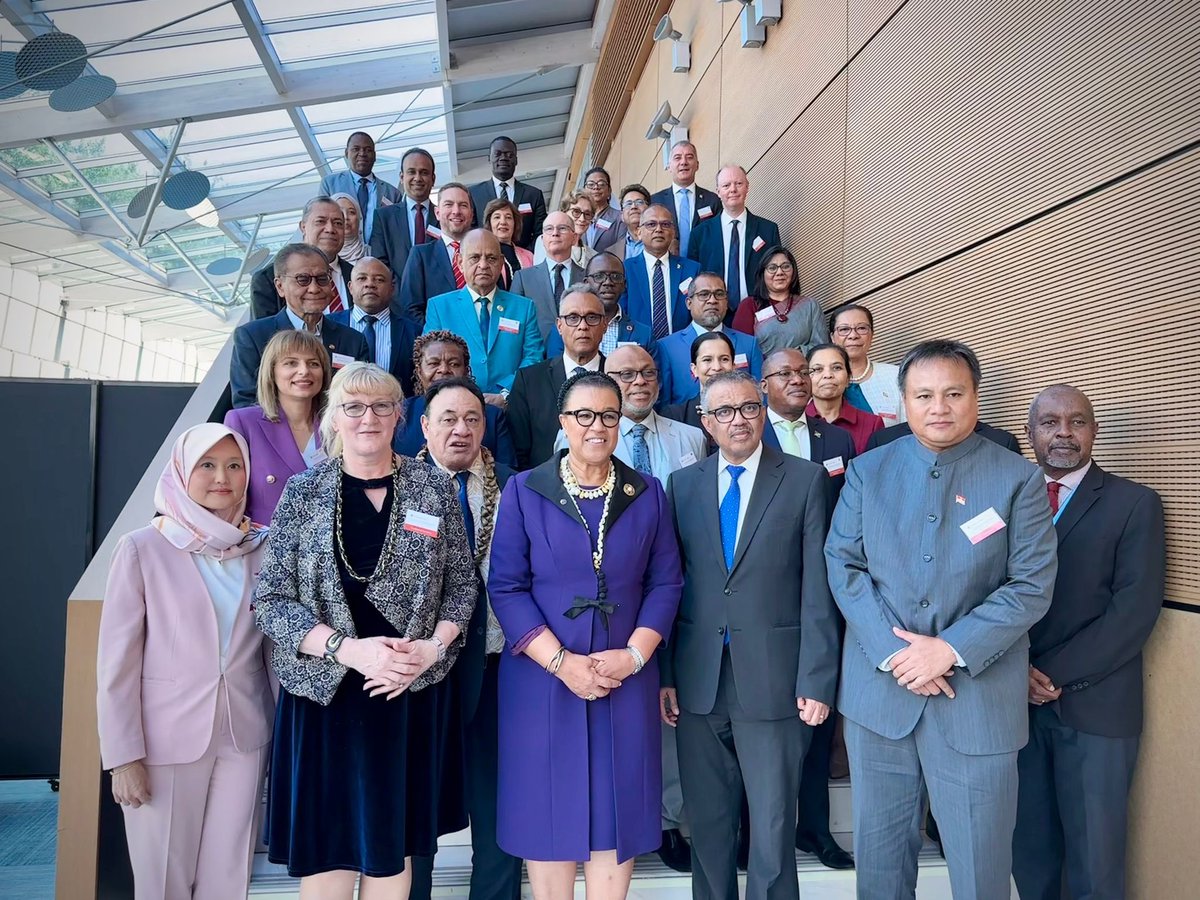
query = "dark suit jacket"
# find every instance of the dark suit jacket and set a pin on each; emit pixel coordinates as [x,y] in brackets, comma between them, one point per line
[637,300]
[705,199]
[404,332]
[533,410]
[409,439]
[265,300]
[628,332]
[827,442]
[534,283]
[1005,439]
[390,239]
[250,339]
[775,601]
[1109,590]
[707,247]
[427,273]
[484,193]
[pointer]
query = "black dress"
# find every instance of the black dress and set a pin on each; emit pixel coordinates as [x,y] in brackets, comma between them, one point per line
[357,785]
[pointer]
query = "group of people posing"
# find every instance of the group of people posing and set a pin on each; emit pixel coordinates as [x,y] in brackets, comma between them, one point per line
[581,528]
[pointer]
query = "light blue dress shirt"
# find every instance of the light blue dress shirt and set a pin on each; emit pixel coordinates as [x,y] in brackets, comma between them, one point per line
[383,333]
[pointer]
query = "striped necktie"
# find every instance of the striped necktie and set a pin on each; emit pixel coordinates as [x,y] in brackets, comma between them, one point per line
[456,264]
[658,304]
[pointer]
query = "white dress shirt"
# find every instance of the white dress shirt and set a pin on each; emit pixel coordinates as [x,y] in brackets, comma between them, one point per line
[745,484]
[667,296]
[803,438]
[726,231]
[299,324]
[476,298]
[570,364]
[512,189]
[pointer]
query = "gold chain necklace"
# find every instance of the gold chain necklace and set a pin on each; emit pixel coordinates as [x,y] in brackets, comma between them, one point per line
[389,540]
[605,490]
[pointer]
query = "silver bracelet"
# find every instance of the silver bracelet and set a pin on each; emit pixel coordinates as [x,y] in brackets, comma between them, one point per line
[441,647]
[639,661]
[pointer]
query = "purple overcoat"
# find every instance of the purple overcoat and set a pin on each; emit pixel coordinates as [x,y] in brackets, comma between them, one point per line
[541,561]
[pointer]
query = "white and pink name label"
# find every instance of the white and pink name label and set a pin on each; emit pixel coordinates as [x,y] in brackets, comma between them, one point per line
[421,523]
[982,526]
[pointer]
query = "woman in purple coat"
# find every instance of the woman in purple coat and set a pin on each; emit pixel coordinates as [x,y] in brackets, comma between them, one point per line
[585,581]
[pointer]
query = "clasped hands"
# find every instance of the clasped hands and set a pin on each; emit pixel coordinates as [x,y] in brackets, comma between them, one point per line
[389,664]
[925,665]
[595,676]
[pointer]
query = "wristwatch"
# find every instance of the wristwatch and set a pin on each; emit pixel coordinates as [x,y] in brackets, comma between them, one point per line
[441,647]
[332,643]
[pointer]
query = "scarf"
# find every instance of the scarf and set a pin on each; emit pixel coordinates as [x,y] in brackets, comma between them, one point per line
[353,249]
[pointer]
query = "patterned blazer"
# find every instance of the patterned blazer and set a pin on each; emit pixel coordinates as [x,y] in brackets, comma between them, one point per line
[430,578]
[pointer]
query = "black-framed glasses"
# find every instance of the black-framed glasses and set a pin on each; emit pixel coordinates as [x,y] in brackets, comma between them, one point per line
[572,320]
[634,204]
[710,295]
[606,277]
[772,268]
[595,185]
[630,375]
[576,213]
[786,375]
[847,330]
[304,279]
[381,408]
[610,418]
[725,414]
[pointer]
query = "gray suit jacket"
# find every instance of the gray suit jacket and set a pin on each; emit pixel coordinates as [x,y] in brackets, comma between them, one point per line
[535,284]
[775,602]
[347,183]
[898,557]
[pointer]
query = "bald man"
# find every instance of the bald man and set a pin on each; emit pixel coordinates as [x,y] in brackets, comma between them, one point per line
[500,328]
[545,283]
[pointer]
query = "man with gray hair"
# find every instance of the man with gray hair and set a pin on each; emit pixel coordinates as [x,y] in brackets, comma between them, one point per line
[322,225]
[752,664]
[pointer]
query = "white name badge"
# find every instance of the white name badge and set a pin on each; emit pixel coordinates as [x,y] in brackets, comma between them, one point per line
[628,344]
[834,466]
[685,284]
[512,326]
[421,523]
[765,313]
[341,359]
[741,362]
[758,244]
[982,526]
[705,213]
[687,459]
[434,230]
[525,208]
[385,202]
[603,224]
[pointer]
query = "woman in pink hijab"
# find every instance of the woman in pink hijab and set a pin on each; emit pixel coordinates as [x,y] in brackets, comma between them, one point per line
[185,708]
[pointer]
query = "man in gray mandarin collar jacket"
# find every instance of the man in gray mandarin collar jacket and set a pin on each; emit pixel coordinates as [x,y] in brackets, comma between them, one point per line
[941,556]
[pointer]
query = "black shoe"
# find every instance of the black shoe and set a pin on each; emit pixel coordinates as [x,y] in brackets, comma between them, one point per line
[826,849]
[743,854]
[675,852]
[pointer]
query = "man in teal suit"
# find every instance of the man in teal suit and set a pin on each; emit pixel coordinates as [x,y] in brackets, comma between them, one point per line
[500,328]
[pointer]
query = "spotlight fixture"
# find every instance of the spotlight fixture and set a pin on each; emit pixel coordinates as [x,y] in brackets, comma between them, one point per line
[660,126]
[768,12]
[753,34]
[674,136]
[681,50]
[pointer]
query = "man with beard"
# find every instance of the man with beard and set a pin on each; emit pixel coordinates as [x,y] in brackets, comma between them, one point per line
[388,333]
[436,266]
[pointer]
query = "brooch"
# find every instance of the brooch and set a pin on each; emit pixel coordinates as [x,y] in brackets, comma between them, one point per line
[629,490]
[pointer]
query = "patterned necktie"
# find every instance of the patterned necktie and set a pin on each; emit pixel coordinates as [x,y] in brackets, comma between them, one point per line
[368,334]
[558,283]
[419,224]
[468,519]
[364,197]
[504,191]
[456,264]
[658,305]
[685,220]
[335,305]
[1052,489]
[641,450]
[731,507]
[788,442]
[485,319]
[733,280]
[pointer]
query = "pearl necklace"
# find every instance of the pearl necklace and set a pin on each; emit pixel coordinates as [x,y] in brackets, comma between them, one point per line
[865,375]
[606,491]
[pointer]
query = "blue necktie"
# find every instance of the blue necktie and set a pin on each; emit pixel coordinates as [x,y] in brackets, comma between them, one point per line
[733,280]
[685,220]
[731,506]
[364,197]
[658,305]
[641,450]
[468,519]
[485,319]
[368,333]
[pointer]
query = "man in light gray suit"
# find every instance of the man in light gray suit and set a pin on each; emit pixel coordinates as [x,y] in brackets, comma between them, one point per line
[545,283]
[359,181]
[941,557]
[752,664]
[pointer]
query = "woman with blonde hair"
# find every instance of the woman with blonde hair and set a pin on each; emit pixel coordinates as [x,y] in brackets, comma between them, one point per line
[281,429]
[367,586]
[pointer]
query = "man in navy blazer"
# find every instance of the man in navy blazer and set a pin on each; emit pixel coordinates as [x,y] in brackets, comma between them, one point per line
[736,226]
[429,271]
[306,302]
[405,224]
[656,281]
[322,225]
[359,181]
[530,201]
[1085,662]
[707,303]
[389,333]
[684,195]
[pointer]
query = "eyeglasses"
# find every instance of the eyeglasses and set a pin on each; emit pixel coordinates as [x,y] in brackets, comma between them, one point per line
[381,408]
[711,295]
[847,330]
[606,277]
[576,213]
[655,224]
[773,268]
[634,204]
[786,375]
[595,185]
[304,279]
[610,418]
[572,320]
[557,229]
[631,375]
[724,414]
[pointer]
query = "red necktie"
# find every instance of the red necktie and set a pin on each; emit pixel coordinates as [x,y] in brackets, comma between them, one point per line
[456,264]
[419,224]
[335,305]
[1052,488]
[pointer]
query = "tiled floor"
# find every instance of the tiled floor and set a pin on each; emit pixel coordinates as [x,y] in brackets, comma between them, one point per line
[28,829]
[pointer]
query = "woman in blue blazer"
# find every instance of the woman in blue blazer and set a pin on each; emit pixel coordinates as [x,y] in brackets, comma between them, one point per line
[281,429]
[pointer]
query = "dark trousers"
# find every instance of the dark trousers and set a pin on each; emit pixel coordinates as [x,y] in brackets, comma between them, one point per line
[724,756]
[1071,811]
[494,874]
[812,817]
